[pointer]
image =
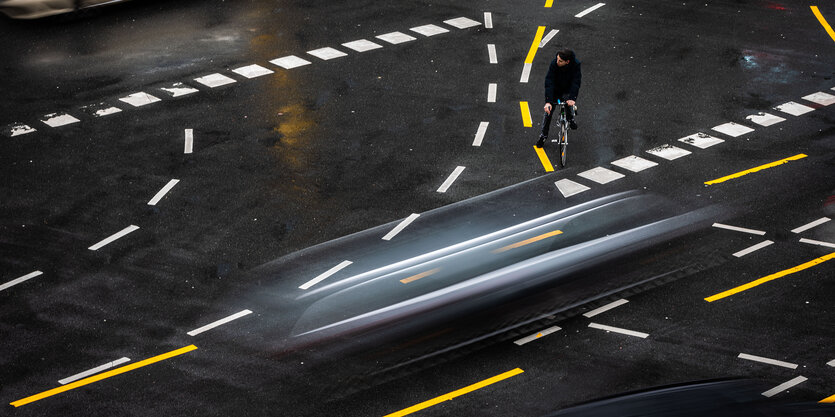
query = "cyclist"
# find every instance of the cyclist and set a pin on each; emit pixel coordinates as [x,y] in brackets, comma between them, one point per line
[562,82]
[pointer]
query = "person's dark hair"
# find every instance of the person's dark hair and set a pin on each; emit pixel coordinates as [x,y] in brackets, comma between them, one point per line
[566,55]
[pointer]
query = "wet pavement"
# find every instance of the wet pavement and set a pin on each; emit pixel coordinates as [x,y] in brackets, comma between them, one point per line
[314,165]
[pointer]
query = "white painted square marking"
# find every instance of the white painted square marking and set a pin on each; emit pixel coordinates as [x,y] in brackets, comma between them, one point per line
[733,129]
[290,62]
[399,228]
[59,119]
[701,140]
[362,45]
[19,129]
[537,335]
[618,330]
[669,152]
[479,134]
[569,188]
[488,20]
[794,109]
[107,111]
[214,80]
[491,92]
[325,275]
[395,38]
[605,308]
[601,175]
[462,22]
[491,52]
[452,177]
[179,90]
[327,53]
[139,99]
[634,163]
[754,248]
[765,119]
[821,98]
[784,386]
[808,226]
[252,71]
[429,30]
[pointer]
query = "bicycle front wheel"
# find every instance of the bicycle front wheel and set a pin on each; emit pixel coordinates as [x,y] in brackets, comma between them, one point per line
[563,143]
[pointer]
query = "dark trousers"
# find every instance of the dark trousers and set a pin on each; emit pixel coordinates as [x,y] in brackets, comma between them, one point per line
[546,118]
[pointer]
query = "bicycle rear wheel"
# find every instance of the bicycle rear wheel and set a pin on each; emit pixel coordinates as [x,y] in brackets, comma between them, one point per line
[563,144]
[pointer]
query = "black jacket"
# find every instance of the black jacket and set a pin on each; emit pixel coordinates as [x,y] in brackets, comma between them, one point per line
[562,80]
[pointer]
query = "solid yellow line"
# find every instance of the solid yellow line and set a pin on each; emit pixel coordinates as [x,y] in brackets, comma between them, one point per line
[105,375]
[549,3]
[752,170]
[771,277]
[528,241]
[535,45]
[544,158]
[419,276]
[526,114]
[823,22]
[828,400]
[458,393]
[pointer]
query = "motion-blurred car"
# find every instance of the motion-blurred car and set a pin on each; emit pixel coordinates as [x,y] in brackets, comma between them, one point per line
[34,9]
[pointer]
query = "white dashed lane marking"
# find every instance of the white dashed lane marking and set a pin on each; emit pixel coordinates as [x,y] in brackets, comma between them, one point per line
[634,163]
[811,225]
[601,175]
[452,177]
[220,322]
[163,192]
[767,361]
[784,386]
[399,228]
[753,248]
[488,20]
[491,92]
[189,141]
[590,9]
[618,330]
[93,371]
[21,279]
[605,308]
[479,134]
[548,37]
[290,62]
[362,45]
[122,233]
[794,109]
[701,140]
[733,129]
[739,229]
[569,188]
[325,275]
[537,335]
[765,119]
[491,52]
[817,242]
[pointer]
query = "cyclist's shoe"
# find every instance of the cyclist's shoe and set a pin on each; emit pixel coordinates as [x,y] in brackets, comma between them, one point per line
[541,141]
[572,124]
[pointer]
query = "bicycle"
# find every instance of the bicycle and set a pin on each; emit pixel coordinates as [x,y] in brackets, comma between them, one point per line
[562,141]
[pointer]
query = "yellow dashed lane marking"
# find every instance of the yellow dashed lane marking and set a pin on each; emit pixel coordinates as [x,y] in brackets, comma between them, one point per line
[535,45]
[458,393]
[752,170]
[419,276]
[526,114]
[544,159]
[828,400]
[102,376]
[549,3]
[823,22]
[771,277]
[528,241]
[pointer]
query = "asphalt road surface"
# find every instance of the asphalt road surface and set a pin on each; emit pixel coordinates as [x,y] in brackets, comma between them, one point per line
[189,186]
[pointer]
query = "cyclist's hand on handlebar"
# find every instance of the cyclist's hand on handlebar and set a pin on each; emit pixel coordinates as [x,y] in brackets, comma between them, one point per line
[569,102]
[548,108]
